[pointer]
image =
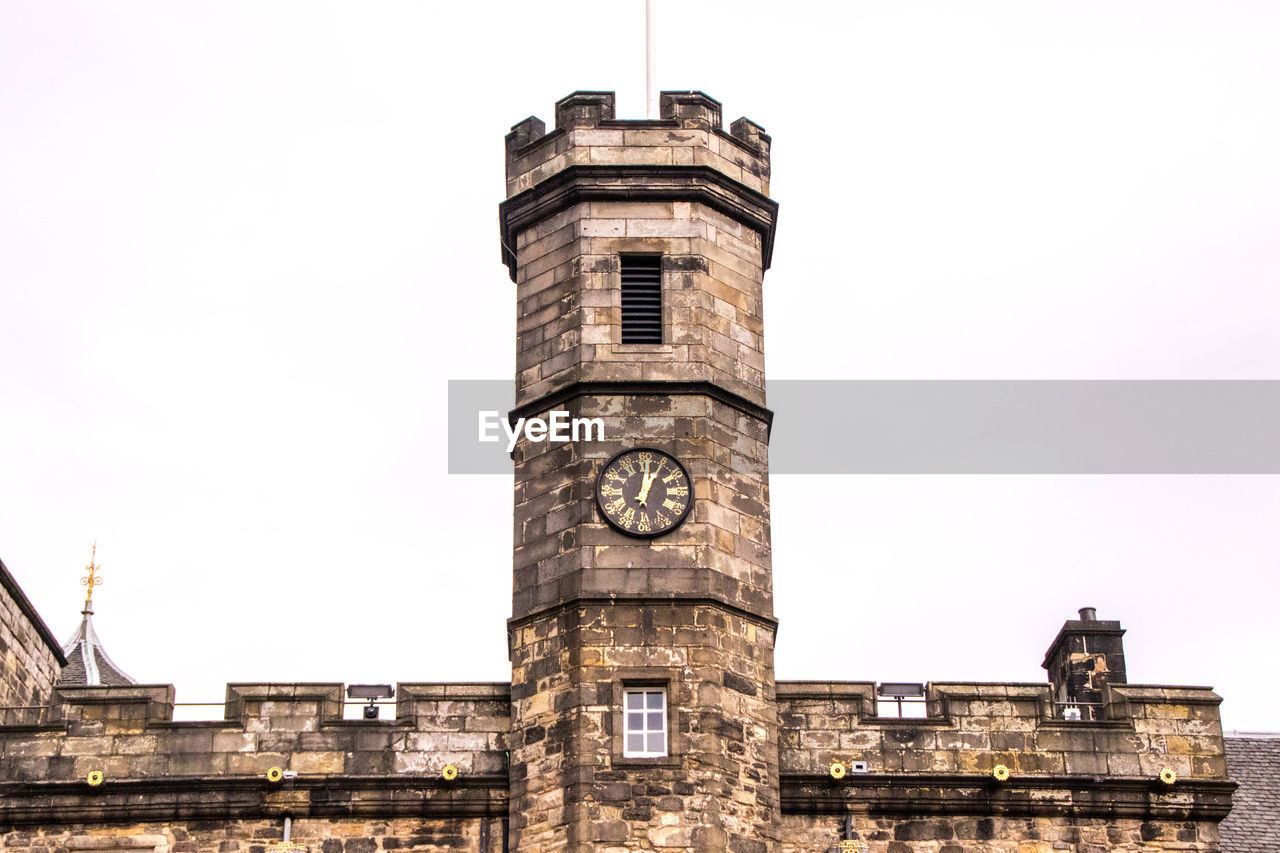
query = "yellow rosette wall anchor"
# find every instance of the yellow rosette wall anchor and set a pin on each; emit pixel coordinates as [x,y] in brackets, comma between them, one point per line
[95,778]
[1000,773]
[1167,776]
[275,775]
[837,770]
[449,773]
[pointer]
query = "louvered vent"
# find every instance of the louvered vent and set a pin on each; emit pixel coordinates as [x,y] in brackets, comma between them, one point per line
[642,299]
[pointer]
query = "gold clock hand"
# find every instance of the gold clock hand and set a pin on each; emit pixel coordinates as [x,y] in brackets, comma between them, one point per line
[645,486]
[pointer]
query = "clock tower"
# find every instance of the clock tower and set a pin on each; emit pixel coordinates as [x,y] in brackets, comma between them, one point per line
[642,632]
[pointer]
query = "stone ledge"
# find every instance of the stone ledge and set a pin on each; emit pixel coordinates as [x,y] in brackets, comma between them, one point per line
[558,607]
[913,795]
[434,690]
[1161,693]
[185,798]
[655,388]
[147,703]
[578,183]
[327,696]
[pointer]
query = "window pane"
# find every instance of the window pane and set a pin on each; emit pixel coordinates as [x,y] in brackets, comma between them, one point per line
[635,700]
[655,699]
[655,721]
[635,722]
[635,743]
[656,744]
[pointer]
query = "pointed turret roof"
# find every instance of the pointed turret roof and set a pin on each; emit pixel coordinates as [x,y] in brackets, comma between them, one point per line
[88,664]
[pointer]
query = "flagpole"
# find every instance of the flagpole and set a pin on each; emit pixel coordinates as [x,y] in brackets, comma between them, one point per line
[650,59]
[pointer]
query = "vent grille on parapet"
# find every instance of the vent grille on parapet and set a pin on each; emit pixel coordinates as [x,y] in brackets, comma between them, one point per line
[642,299]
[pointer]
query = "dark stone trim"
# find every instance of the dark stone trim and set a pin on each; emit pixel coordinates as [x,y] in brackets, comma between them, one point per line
[916,795]
[635,124]
[623,600]
[579,183]
[590,388]
[252,798]
[24,604]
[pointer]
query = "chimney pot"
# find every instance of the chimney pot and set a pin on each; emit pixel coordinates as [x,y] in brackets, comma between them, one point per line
[1088,614]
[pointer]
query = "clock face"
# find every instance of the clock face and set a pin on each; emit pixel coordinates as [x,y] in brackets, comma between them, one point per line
[644,492]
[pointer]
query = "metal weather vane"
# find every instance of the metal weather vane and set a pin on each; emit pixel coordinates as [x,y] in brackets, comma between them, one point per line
[93,578]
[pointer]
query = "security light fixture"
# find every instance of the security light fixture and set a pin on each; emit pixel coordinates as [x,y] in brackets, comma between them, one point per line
[372,692]
[901,690]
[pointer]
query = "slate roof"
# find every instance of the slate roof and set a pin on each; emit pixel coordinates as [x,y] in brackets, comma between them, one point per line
[87,662]
[1254,823]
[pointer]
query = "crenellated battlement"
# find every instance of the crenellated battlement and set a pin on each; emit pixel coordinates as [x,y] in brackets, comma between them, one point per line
[128,733]
[969,728]
[940,764]
[1006,743]
[690,132]
[972,727]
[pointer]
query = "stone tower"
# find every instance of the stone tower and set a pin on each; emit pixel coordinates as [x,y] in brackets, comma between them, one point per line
[604,622]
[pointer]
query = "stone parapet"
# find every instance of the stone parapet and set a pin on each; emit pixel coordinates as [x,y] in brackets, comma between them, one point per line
[590,157]
[128,735]
[930,784]
[971,728]
[120,709]
[689,132]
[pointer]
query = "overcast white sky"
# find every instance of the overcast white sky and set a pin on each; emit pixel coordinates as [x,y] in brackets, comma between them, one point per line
[243,247]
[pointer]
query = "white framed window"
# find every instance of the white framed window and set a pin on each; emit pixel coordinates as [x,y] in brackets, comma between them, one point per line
[644,715]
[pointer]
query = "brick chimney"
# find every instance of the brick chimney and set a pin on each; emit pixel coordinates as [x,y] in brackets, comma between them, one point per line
[1087,655]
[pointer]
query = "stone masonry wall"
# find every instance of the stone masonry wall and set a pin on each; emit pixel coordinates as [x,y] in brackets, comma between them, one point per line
[1081,786]
[998,834]
[217,769]
[563,548]
[30,660]
[403,835]
[569,298]
[571,786]
[973,727]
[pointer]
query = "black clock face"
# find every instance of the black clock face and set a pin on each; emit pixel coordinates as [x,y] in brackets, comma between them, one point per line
[644,492]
